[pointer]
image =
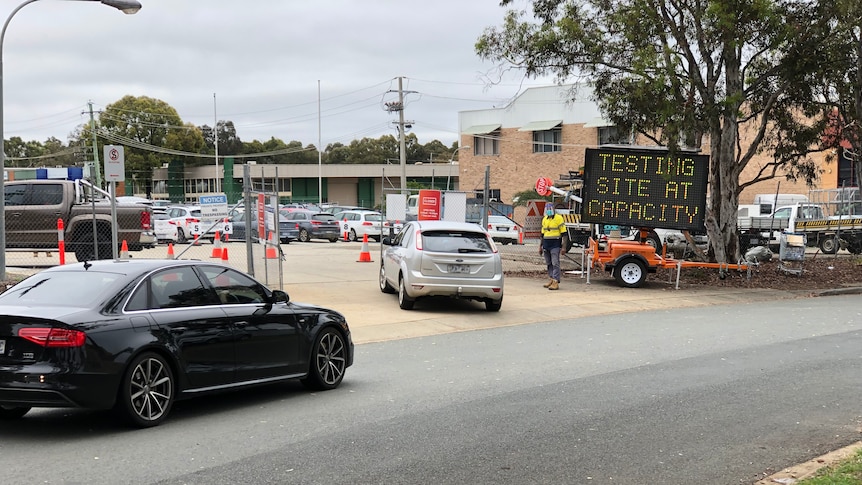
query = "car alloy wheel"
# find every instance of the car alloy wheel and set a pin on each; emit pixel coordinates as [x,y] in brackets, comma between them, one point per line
[385,287]
[404,301]
[328,361]
[303,236]
[147,391]
[352,235]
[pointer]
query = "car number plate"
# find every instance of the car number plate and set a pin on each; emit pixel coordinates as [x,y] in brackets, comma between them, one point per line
[2,347]
[502,228]
[458,268]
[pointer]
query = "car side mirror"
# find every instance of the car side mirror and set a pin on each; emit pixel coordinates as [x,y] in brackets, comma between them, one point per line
[279,296]
[386,241]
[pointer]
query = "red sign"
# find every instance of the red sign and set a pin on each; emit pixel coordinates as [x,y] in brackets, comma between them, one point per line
[261,213]
[542,185]
[429,205]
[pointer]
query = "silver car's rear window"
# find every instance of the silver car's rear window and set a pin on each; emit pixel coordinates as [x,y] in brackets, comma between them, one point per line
[455,242]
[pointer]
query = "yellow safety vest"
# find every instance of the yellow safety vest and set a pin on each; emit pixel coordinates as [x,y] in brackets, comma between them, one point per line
[553,227]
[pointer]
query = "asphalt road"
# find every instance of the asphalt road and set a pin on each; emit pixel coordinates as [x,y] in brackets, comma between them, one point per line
[684,396]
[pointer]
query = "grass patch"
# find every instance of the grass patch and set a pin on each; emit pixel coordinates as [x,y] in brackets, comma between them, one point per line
[847,472]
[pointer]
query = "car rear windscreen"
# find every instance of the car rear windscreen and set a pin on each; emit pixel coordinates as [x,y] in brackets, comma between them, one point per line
[456,242]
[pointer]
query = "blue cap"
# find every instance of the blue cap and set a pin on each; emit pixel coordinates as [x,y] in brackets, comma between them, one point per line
[549,206]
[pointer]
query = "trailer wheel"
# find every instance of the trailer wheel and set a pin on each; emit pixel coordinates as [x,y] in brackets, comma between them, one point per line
[630,272]
[829,244]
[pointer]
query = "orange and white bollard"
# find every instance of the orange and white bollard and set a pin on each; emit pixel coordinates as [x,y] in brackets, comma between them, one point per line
[124,250]
[61,241]
[346,235]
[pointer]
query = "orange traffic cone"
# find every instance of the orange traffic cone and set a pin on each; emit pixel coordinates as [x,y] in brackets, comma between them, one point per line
[124,250]
[520,235]
[170,250]
[197,241]
[217,249]
[224,255]
[364,254]
[271,253]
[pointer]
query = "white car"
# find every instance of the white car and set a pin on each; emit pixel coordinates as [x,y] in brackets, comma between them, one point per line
[357,223]
[164,227]
[187,220]
[503,230]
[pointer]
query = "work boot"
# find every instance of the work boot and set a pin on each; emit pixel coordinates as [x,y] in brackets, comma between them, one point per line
[555,285]
[549,283]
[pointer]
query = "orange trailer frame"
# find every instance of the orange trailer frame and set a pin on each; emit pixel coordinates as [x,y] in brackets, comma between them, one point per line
[630,261]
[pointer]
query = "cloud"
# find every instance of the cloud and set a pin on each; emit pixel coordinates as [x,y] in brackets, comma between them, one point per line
[258,63]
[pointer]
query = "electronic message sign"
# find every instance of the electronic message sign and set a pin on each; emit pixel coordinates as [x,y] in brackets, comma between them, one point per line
[645,187]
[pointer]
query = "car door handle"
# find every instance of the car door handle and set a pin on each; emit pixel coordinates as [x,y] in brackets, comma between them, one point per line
[179,329]
[241,324]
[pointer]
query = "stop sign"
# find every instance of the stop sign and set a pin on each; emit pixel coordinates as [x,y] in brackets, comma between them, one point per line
[542,185]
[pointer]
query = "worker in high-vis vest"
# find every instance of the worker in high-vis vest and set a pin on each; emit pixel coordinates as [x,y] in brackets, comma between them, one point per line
[553,230]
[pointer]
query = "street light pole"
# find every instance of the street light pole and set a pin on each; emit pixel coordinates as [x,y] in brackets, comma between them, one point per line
[452,162]
[127,7]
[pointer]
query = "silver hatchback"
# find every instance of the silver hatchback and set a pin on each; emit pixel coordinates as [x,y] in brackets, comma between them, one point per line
[441,258]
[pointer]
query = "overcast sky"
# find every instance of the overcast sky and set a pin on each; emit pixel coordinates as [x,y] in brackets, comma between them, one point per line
[257,63]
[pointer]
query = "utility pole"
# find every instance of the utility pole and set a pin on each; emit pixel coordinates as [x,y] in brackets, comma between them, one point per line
[95,148]
[402,125]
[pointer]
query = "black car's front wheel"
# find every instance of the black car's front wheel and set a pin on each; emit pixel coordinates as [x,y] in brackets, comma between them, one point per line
[12,412]
[328,361]
[304,236]
[147,391]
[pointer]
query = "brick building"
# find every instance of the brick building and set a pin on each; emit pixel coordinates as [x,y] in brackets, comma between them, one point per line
[544,131]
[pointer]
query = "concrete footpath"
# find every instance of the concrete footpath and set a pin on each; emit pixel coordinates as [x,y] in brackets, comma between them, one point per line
[329,275]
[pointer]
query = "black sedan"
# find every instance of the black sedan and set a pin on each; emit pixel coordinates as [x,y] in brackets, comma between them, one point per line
[136,335]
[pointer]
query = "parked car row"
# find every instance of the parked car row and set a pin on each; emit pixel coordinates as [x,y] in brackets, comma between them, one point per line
[179,224]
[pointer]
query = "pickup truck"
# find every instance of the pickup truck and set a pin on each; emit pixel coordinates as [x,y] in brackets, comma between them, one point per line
[829,233]
[33,208]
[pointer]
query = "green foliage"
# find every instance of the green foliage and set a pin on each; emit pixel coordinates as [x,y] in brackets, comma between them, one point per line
[520,199]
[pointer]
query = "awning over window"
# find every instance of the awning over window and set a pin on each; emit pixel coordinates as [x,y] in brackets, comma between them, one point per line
[541,125]
[598,123]
[481,129]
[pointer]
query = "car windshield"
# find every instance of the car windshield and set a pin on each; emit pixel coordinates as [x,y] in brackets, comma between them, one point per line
[456,242]
[323,217]
[75,289]
[373,217]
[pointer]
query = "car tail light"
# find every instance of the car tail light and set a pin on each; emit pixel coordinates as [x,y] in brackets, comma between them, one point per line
[192,220]
[419,240]
[53,337]
[145,220]
[315,223]
[366,223]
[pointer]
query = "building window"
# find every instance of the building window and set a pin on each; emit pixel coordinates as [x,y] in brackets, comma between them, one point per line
[487,144]
[611,135]
[545,141]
